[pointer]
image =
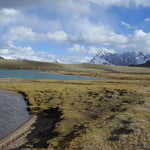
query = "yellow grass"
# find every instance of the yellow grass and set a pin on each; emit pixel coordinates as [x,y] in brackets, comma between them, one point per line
[95,115]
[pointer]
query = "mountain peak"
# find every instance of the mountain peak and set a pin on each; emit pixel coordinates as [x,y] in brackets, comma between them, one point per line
[1,57]
[105,52]
[120,59]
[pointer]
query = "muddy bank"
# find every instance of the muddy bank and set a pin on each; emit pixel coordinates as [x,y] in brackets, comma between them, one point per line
[18,137]
[35,133]
[13,113]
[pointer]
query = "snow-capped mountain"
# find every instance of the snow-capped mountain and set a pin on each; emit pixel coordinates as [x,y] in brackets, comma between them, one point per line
[56,61]
[121,59]
[1,57]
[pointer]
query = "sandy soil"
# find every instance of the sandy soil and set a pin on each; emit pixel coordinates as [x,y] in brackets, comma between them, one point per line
[35,133]
[19,136]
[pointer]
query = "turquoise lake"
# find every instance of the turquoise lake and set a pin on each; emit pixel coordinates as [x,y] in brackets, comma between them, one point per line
[26,74]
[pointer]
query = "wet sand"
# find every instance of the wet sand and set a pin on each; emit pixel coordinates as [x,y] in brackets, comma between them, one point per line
[19,136]
[39,126]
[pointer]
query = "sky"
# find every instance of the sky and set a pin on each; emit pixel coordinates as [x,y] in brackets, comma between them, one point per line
[72,31]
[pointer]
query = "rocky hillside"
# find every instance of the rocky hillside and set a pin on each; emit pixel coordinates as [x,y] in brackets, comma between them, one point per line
[1,57]
[120,59]
[147,64]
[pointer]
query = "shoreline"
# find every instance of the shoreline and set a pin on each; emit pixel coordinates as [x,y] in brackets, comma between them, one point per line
[40,123]
[18,137]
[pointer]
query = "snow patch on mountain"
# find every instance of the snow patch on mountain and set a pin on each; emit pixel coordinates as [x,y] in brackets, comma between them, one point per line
[121,59]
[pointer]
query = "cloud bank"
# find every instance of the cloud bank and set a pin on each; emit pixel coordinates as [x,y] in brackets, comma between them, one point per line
[75,23]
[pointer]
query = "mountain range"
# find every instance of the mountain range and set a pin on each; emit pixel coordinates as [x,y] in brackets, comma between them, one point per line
[109,57]
[1,57]
[120,59]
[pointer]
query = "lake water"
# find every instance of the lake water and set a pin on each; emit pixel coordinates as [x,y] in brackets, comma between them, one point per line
[13,113]
[26,74]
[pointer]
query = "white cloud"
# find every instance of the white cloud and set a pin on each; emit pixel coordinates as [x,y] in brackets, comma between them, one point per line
[96,34]
[140,41]
[10,51]
[77,49]
[126,24]
[106,50]
[9,12]
[22,33]
[100,34]
[147,19]
[57,36]
[9,16]
[78,6]
[92,50]
[81,6]
[78,30]
[123,3]
[74,59]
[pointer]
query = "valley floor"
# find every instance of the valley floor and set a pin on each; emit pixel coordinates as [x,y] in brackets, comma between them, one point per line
[85,115]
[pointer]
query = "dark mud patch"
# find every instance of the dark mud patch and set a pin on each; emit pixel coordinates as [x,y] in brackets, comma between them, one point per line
[25,96]
[43,129]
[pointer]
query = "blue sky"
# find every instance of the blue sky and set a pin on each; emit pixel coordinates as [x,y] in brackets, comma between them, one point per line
[72,31]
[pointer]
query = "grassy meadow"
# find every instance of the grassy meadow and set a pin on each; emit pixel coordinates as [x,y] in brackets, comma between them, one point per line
[99,71]
[89,115]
